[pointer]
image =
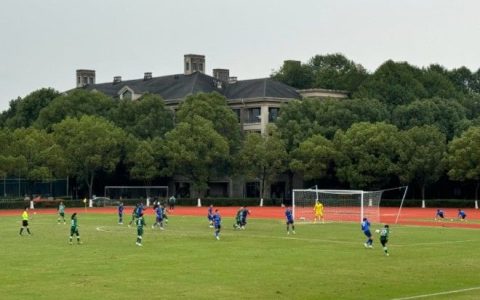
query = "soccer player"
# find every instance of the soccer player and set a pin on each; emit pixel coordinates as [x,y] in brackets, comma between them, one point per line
[120,213]
[318,209]
[368,234]
[461,215]
[245,213]
[217,223]
[210,215]
[61,213]
[238,218]
[134,215]
[439,214]
[290,222]
[384,238]
[25,221]
[140,223]
[159,217]
[171,202]
[74,229]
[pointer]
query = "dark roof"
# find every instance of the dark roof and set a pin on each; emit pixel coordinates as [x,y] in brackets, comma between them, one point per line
[180,86]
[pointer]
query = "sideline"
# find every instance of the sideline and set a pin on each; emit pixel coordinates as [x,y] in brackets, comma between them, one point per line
[439,294]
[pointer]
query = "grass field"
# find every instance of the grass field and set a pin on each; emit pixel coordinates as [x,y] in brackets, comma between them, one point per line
[323,261]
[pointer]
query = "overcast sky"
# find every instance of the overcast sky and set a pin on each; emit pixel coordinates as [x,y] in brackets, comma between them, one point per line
[44,42]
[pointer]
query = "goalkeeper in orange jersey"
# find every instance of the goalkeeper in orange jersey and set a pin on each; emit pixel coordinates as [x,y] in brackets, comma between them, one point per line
[318,210]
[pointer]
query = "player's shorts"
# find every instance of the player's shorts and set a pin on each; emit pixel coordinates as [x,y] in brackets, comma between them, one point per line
[318,215]
[159,219]
[74,230]
[62,214]
[139,231]
[210,217]
[244,221]
[289,221]
[463,217]
[24,223]
[368,233]
[383,241]
[218,227]
[441,216]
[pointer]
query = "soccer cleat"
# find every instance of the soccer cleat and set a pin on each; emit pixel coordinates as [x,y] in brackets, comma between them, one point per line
[293,231]
[288,232]
[153,227]
[70,243]
[161,228]
[366,245]
[218,238]
[370,246]
[387,254]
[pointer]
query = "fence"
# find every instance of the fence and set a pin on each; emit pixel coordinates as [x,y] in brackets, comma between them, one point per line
[20,187]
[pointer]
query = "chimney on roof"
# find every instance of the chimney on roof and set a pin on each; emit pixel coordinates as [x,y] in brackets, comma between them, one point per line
[85,77]
[147,76]
[117,79]
[221,74]
[232,79]
[193,63]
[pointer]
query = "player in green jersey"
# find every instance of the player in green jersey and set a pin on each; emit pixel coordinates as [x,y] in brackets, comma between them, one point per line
[384,233]
[238,219]
[61,213]
[140,221]
[74,229]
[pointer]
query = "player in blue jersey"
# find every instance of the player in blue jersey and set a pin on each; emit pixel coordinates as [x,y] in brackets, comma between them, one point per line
[245,214]
[120,213]
[368,234]
[210,215]
[461,215]
[290,222]
[439,215]
[159,213]
[217,223]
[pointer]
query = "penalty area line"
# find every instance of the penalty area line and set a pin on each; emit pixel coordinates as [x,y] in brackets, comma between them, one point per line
[439,294]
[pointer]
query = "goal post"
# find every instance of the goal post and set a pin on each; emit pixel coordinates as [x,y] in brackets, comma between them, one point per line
[339,205]
[153,192]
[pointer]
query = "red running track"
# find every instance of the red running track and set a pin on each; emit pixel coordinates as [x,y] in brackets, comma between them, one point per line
[408,216]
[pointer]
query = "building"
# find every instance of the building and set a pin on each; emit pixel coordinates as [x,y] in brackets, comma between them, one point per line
[256,102]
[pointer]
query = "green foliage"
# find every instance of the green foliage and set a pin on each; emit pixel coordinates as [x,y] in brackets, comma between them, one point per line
[295,74]
[143,162]
[314,157]
[145,118]
[262,157]
[92,144]
[75,104]
[394,84]
[444,114]
[24,112]
[195,150]
[463,157]
[336,72]
[421,153]
[368,154]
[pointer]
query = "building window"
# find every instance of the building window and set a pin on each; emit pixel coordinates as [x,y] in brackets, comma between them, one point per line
[200,67]
[79,79]
[273,113]
[252,189]
[252,115]
[85,80]
[194,66]
[187,66]
[127,95]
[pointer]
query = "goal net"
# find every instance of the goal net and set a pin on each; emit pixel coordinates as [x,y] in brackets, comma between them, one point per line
[136,193]
[339,205]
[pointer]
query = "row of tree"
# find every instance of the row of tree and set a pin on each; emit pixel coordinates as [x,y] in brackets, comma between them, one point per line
[402,124]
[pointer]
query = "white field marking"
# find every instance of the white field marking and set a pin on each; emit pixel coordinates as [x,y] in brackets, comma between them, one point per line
[439,294]
[189,233]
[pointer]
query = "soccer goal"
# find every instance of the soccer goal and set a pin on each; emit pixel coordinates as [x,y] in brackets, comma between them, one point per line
[152,193]
[340,205]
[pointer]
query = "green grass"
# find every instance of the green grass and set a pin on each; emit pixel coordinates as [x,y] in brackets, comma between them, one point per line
[326,261]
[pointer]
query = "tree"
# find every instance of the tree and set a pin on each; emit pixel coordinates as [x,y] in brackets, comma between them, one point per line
[394,84]
[295,74]
[367,154]
[25,111]
[145,118]
[437,84]
[91,144]
[335,71]
[75,104]
[214,108]
[195,150]
[444,114]
[463,159]
[314,157]
[262,157]
[421,154]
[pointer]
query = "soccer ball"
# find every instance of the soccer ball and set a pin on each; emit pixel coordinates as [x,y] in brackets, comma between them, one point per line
[377,231]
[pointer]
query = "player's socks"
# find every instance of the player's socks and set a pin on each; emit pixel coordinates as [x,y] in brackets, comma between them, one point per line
[21,231]
[28,230]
